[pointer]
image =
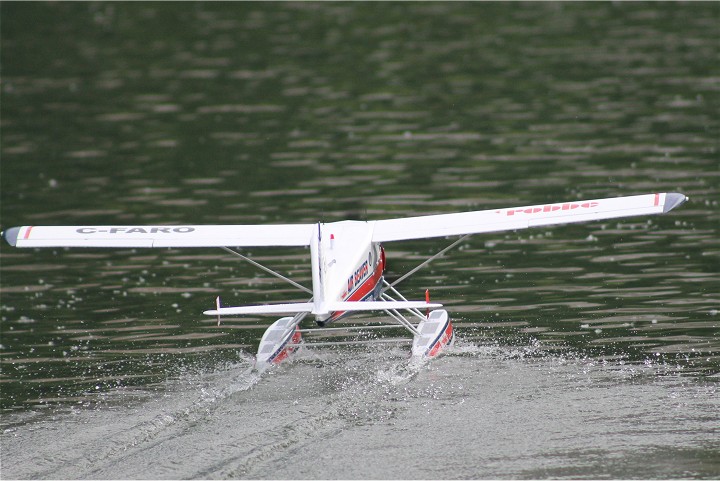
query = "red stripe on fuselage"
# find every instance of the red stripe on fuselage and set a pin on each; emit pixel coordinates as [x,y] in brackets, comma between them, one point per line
[362,291]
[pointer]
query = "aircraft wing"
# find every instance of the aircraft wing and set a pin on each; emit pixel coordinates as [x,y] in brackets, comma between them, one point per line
[161,236]
[495,220]
[442,225]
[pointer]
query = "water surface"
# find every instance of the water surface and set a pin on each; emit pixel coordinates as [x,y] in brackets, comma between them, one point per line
[303,112]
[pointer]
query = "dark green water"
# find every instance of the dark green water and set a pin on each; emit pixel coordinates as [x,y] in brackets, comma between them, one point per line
[120,113]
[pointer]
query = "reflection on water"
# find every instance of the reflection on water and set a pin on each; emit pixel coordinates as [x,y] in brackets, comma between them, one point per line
[250,113]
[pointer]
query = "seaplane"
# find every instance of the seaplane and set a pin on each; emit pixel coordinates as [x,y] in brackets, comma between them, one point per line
[347,260]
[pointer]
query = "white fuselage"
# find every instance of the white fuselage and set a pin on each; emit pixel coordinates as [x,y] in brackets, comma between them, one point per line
[346,266]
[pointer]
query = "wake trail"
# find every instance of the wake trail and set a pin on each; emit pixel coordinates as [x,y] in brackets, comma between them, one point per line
[102,439]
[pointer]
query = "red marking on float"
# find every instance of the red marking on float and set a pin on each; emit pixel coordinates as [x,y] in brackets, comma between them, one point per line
[443,341]
[290,347]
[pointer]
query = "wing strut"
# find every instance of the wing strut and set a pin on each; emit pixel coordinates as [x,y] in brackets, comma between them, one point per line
[424,263]
[268,270]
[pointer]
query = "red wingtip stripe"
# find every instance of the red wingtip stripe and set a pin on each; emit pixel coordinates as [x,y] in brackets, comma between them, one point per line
[27,233]
[657,200]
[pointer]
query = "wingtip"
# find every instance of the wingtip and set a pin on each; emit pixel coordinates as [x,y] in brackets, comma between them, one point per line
[10,235]
[672,200]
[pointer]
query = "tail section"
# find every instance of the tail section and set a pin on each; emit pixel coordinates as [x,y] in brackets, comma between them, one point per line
[317,265]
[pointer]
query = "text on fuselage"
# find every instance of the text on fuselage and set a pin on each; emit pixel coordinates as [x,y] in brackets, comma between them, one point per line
[358,276]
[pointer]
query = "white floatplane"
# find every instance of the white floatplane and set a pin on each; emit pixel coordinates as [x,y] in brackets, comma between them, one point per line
[347,259]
